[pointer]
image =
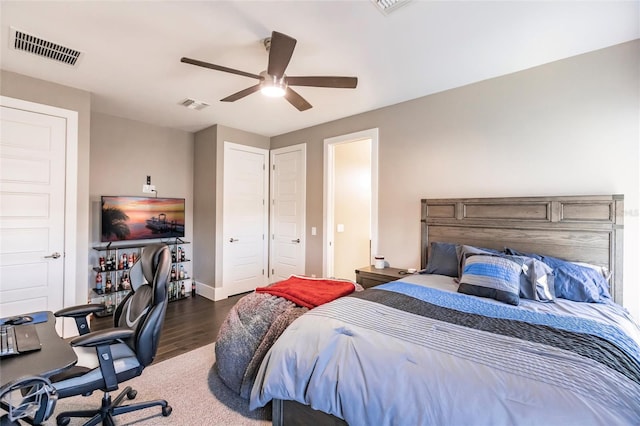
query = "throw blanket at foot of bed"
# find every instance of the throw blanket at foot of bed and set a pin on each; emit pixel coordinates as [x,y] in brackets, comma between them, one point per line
[258,319]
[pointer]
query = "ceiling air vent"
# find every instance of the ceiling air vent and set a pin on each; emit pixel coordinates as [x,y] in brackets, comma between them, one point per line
[388,6]
[41,47]
[193,104]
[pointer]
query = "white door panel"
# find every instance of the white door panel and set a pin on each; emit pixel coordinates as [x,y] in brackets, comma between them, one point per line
[288,212]
[244,218]
[32,194]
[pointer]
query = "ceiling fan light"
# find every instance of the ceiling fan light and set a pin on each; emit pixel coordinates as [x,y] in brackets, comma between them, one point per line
[273,87]
[272,91]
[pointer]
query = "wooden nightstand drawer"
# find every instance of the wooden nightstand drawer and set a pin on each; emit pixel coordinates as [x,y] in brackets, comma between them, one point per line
[370,277]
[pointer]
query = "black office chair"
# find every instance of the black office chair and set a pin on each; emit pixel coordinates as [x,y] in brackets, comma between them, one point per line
[109,357]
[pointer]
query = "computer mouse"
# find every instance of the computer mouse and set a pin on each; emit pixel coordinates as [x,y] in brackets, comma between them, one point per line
[22,319]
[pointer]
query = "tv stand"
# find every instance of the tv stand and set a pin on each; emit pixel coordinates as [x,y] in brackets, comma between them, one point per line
[110,265]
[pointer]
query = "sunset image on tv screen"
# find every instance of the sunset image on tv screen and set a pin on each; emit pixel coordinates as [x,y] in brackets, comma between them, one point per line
[139,218]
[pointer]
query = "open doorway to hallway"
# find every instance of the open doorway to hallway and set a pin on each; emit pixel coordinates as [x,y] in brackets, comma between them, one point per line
[351,186]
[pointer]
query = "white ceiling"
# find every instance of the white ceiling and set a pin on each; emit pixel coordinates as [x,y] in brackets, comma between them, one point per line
[132,50]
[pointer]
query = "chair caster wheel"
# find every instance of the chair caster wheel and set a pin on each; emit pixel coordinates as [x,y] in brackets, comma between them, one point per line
[166,411]
[63,421]
[132,394]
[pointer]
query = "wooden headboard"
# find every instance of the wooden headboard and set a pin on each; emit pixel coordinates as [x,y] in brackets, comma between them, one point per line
[575,228]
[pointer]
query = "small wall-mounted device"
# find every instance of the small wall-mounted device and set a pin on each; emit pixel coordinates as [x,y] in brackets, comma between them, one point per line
[148,188]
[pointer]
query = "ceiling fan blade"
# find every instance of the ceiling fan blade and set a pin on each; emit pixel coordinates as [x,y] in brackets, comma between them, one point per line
[337,82]
[296,100]
[280,53]
[219,68]
[241,94]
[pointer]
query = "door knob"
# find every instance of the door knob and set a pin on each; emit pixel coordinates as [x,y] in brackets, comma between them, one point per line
[297,240]
[232,240]
[54,255]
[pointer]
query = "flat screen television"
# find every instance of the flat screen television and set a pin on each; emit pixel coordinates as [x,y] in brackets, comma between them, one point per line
[127,218]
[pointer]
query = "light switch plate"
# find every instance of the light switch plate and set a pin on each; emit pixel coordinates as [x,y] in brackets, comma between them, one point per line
[148,189]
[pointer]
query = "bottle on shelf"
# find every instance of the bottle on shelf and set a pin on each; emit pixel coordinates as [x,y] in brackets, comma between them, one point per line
[99,283]
[182,255]
[125,283]
[182,290]
[181,273]
[108,287]
[103,267]
[173,255]
[173,273]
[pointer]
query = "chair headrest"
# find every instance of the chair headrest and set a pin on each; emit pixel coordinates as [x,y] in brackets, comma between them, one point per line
[156,268]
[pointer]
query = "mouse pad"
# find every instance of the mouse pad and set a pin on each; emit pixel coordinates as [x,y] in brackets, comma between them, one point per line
[37,317]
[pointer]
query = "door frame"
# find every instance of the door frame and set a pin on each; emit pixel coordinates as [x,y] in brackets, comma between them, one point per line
[303,244]
[71,199]
[328,202]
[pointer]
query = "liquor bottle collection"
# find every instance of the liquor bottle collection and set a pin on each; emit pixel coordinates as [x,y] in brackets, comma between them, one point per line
[109,264]
[119,266]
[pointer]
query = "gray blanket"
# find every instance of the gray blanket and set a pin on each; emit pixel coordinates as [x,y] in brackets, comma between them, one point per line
[250,329]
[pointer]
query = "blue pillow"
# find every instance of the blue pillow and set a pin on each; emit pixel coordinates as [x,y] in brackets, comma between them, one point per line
[536,278]
[574,282]
[464,251]
[443,260]
[493,277]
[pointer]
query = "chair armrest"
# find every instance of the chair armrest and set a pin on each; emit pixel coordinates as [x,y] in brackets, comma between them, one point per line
[102,341]
[79,310]
[102,337]
[79,314]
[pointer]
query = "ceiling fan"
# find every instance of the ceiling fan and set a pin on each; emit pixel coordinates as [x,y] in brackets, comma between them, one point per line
[273,81]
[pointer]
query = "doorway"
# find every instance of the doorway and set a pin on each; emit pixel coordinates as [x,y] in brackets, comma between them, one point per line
[351,203]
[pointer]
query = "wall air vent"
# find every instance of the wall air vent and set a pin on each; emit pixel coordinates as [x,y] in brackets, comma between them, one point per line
[193,104]
[388,6]
[41,47]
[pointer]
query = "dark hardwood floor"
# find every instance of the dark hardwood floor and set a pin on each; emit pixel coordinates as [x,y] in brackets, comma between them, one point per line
[189,324]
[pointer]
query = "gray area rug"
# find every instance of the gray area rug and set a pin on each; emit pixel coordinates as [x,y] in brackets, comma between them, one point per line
[191,386]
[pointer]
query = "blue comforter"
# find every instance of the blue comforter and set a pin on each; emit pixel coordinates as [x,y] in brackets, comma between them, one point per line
[408,354]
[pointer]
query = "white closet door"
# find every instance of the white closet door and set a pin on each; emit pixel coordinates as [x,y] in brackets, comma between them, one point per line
[288,199]
[32,211]
[245,218]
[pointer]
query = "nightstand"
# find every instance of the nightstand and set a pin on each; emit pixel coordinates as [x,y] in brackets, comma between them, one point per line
[369,276]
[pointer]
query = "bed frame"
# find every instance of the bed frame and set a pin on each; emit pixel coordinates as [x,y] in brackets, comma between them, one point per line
[576,228]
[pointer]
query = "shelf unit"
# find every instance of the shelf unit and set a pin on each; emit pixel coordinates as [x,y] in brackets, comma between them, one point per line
[117,267]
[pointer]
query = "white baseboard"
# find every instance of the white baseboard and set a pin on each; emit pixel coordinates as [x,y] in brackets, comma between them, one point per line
[211,293]
[205,291]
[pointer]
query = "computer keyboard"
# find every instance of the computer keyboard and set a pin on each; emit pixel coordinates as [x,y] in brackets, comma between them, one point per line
[8,344]
[17,339]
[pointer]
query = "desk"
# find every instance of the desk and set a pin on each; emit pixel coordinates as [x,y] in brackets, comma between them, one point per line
[55,356]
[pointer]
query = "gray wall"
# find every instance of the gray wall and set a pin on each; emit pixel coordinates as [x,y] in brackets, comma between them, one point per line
[124,152]
[569,127]
[29,89]
[204,205]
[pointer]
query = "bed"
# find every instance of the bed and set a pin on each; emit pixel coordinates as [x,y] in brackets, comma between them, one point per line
[256,321]
[417,351]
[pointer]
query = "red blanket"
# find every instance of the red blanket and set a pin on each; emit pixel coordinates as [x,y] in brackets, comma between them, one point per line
[309,292]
